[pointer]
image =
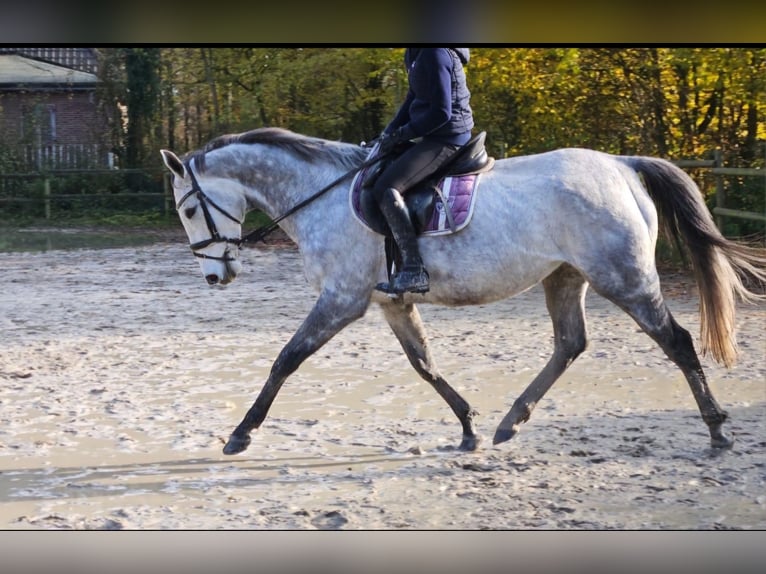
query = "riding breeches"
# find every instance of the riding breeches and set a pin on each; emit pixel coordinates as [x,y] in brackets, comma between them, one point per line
[413,166]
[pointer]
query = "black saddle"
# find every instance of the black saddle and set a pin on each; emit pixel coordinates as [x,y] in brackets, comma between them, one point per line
[469,158]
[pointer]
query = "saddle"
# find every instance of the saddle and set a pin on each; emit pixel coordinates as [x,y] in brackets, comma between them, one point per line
[441,204]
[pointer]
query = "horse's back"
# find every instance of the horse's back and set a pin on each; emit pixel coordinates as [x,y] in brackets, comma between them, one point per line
[534,213]
[563,196]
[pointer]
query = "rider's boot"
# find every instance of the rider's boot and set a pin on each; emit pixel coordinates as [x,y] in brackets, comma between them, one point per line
[412,277]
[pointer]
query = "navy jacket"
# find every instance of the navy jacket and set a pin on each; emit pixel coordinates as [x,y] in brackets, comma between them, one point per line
[437,105]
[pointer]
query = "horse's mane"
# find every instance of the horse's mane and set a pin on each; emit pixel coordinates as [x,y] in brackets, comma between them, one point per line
[311,149]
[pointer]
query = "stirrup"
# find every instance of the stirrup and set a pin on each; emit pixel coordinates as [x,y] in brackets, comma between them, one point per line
[408,280]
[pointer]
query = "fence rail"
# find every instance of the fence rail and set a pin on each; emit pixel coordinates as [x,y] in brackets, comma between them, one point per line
[714,167]
[48,199]
[719,172]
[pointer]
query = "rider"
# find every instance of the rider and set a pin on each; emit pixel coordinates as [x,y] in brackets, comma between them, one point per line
[436,113]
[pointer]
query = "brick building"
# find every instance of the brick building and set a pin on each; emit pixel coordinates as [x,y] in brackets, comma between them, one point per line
[50,114]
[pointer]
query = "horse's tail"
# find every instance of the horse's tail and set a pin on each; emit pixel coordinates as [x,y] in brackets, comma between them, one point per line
[722,268]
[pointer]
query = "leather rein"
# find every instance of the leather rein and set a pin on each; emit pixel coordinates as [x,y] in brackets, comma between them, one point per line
[258,234]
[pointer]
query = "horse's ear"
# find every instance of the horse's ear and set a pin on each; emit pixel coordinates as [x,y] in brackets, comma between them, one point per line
[173,163]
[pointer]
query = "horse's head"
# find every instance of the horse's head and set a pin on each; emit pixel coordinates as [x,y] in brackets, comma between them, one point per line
[211,217]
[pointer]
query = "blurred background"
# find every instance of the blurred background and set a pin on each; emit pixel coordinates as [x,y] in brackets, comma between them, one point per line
[89,93]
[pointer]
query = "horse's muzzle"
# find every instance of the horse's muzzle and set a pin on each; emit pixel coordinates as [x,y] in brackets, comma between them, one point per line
[229,273]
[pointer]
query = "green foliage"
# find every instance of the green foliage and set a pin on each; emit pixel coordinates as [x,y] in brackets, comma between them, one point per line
[669,102]
[332,93]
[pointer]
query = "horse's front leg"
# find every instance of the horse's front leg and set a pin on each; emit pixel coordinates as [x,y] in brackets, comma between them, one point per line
[330,315]
[408,327]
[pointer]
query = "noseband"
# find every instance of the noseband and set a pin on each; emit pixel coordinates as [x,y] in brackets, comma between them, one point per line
[206,203]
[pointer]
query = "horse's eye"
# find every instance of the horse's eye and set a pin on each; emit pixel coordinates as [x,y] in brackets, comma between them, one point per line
[189,212]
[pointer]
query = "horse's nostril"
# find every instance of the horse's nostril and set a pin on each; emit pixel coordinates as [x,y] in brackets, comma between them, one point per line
[211,279]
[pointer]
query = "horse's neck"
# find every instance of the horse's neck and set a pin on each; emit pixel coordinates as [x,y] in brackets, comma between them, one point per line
[277,181]
[271,183]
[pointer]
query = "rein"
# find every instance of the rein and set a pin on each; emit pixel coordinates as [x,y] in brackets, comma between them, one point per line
[260,233]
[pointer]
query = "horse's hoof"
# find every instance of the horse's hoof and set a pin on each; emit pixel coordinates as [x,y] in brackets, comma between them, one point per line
[470,443]
[236,444]
[717,437]
[502,435]
[721,441]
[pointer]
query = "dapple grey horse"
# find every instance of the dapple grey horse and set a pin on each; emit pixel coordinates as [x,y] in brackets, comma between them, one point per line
[569,218]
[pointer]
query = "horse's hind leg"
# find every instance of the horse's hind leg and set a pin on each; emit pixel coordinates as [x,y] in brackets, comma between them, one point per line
[407,326]
[653,316]
[565,298]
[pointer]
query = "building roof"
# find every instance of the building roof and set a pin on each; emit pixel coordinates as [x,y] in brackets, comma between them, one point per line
[18,71]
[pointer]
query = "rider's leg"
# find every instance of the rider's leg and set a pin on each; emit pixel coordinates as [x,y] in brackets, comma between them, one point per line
[412,167]
[413,276]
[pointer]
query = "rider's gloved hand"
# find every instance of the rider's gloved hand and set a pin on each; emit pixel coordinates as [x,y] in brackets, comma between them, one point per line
[389,141]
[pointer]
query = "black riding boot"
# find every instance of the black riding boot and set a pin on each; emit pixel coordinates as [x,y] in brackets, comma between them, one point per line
[413,276]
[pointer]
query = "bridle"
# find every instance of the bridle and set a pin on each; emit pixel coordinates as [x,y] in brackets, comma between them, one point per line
[260,233]
[205,204]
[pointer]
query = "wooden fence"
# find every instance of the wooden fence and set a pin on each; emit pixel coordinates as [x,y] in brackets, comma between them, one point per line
[49,199]
[715,166]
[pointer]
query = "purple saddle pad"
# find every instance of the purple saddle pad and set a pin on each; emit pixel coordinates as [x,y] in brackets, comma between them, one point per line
[459,193]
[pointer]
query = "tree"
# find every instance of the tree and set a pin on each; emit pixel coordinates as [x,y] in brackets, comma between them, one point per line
[142,73]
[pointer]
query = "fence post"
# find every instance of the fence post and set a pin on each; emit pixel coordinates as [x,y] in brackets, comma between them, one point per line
[167,195]
[720,192]
[47,194]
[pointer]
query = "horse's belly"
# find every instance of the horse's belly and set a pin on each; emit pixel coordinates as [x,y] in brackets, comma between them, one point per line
[500,254]
[470,284]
